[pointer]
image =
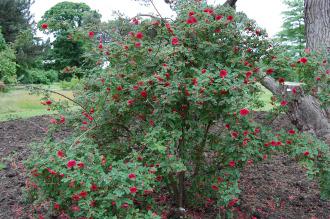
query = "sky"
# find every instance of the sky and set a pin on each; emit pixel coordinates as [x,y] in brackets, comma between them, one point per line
[267,13]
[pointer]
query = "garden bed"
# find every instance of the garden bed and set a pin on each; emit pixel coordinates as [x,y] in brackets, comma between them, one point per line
[275,188]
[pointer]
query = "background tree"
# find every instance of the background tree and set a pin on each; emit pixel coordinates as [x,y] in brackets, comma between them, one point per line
[7,62]
[66,16]
[69,23]
[18,29]
[29,50]
[14,17]
[292,34]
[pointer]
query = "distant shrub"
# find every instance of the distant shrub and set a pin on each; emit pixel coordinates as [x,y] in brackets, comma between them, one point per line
[70,85]
[40,76]
[7,66]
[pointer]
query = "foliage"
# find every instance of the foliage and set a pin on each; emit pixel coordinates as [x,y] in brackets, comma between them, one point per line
[7,62]
[68,20]
[40,76]
[66,16]
[14,17]
[29,50]
[168,122]
[70,85]
[292,34]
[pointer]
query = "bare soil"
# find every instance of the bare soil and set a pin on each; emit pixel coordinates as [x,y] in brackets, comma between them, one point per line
[275,188]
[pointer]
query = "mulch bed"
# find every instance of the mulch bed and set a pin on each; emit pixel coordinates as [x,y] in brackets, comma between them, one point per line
[275,188]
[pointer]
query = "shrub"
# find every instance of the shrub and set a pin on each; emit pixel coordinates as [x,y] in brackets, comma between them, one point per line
[40,76]
[7,66]
[168,123]
[70,85]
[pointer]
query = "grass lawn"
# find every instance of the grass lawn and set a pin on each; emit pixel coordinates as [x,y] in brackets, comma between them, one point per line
[266,98]
[18,103]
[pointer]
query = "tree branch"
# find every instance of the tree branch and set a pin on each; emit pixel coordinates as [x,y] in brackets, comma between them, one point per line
[270,84]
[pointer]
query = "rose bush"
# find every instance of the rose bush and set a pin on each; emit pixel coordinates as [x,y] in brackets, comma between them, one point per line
[169,125]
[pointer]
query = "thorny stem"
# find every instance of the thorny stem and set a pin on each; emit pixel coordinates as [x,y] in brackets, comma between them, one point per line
[200,148]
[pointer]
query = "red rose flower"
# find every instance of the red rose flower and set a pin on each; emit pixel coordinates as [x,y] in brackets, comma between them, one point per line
[294,90]
[125,205]
[191,20]
[81,165]
[234,135]
[75,197]
[284,103]
[218,17]
[83,194]
[137,45]
[132,176]
[215,188]
[119,88]
[48,102]
[230,18]
[139,35]
[60,154]
[56,206]
[208,10]
[175,41]
[269,71]
[233,202]
[248,74]
[223,73]
[232,163]
[71,163]
[203,71]
[303,60]
[75,208]
[306,153]
[133,190]
[130,102]
[292,132]
[100,46]
[281,80]
[244,112]
[195,81]
[91,34]
[44,26]
[144,94]
[93,187]
[135,21]
[92,203]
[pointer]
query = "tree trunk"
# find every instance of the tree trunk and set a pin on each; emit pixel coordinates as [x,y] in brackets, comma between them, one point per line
[305,112]
[317,24]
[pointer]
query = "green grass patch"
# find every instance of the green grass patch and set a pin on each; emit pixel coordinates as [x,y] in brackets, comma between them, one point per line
[265,97]
[2,166]
[19,103]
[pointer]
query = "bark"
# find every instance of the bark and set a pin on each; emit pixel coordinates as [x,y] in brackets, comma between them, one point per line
[304,112]
[317,24]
